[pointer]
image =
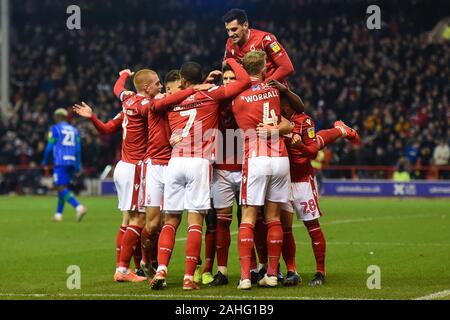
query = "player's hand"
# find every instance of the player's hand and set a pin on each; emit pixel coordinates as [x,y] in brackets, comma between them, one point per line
[276,84]
[296,140]
[128,71]
[175,139]
[213,75]
[83,110]
[266,130]
[203,87]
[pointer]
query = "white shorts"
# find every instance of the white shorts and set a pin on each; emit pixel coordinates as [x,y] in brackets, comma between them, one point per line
[128,179]
[187,185]
[305,200]
[225,186]
[155,178]
[265,178]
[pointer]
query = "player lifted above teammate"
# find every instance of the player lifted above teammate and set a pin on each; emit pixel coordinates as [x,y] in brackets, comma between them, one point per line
[242,40]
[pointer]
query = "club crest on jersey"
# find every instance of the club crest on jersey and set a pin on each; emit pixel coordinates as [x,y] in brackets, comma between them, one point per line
[275,47]
[252,47]
[311,133]
[232,52]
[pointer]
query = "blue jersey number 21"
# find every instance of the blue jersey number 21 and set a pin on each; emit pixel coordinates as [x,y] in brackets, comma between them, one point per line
[69,138]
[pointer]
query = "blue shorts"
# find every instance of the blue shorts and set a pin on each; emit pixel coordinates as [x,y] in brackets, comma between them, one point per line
[62,175]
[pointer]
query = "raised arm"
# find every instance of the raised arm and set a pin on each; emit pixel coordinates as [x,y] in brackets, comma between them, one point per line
[284,68]
[119,87]
[242,82]
[172,99]
[287,96]
[279,56]
[231,90]
[112,126]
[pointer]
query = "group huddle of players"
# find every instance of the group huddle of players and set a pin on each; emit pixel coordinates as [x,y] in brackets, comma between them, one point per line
[176,157]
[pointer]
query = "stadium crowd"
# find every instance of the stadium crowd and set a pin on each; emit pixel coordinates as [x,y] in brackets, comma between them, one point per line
[390,84]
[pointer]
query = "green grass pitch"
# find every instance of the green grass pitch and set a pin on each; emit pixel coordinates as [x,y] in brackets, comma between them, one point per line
[409,240]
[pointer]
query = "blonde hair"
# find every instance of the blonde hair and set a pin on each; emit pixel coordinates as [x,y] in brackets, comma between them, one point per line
[142,78]
[254,62]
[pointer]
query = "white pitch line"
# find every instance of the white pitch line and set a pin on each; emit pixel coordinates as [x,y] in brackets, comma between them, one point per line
[399,244]
[436,295]
[183,296]
[344,221]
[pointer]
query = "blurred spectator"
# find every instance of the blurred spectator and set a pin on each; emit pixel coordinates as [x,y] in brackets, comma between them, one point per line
[441,156]
[392,84]
[401,174]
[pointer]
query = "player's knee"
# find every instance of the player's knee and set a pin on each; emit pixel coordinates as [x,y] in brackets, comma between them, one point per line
[312,223]
[154,225]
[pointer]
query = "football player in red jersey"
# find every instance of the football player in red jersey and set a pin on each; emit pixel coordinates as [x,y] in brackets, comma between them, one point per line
[128,175]
[111,127]
[226,183]
[188,180]
[157,154]
[303,145]
[242,39]
[265,176]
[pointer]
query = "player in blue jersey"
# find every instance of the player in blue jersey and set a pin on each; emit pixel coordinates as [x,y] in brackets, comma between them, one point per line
[64,141]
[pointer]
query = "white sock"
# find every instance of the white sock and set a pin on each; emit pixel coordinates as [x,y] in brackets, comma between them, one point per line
[223,270]
[123,270]
[161,268]
[262,265]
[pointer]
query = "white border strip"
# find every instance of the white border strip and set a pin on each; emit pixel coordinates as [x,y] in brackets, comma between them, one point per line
[436,295]
[170,296]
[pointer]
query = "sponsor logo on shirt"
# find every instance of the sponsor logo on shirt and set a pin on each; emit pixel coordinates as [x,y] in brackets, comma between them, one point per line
[275,47]
[311,133]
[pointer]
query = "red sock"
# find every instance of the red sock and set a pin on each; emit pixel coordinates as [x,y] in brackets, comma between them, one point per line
[245,247]
[146,246]
[137,256]
[253,263]
[193,248]
[119,238]
[327,137]
[261,240]
[210,248]
[319,246]
[154,250]
[129,243]
[165,244]
[274,245]
[223,239]
[289,249]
